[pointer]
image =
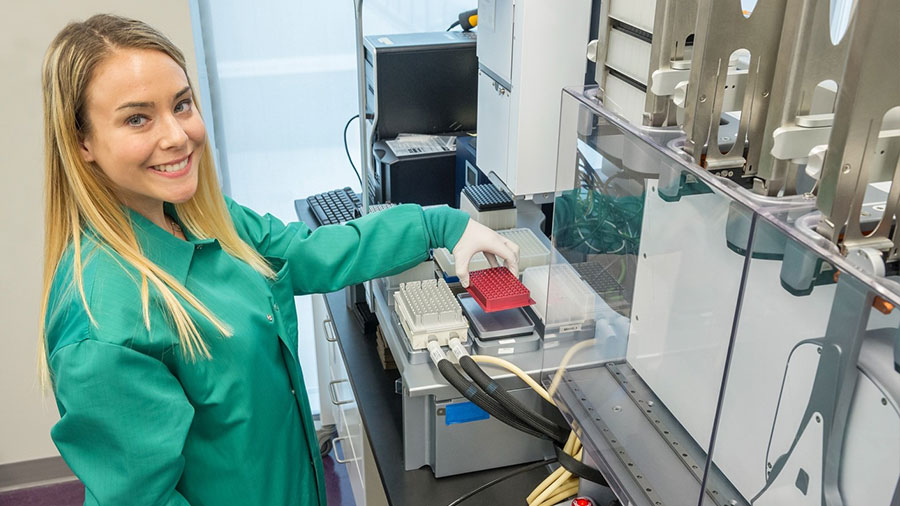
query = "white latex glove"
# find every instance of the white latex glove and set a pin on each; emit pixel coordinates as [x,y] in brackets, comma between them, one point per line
[478,238]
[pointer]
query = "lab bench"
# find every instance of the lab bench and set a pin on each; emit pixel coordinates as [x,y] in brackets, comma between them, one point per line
[361,399]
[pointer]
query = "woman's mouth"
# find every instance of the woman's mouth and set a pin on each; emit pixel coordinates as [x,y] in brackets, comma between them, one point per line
[174,169]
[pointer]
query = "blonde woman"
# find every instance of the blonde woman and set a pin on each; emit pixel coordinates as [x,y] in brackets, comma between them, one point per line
[169,327]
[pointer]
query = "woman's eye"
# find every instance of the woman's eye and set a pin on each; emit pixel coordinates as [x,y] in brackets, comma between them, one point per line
[136,120]
[183,106]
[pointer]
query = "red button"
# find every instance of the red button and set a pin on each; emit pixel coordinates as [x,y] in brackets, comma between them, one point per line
[582,501]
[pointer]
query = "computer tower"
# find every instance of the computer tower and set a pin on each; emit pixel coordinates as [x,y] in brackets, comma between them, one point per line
[424,83]
[424,179]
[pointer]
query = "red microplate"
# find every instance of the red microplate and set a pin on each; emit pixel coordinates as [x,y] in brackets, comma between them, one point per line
[497,289]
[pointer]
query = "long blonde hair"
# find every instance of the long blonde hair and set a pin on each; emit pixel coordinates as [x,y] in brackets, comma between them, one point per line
[78,196]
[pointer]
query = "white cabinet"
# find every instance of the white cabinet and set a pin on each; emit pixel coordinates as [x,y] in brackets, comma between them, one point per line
[339,406]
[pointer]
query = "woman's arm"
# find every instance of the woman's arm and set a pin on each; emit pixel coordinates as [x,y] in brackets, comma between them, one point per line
[332,257]
[124,420]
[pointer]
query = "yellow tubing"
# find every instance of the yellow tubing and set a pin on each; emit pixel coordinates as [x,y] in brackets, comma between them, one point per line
[565,362]
[564,493]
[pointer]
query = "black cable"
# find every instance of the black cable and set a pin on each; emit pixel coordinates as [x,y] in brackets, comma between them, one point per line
[516,408]
[578,468]
[325,435]
[470,391]
[347,150]
[454,25]
[495,481]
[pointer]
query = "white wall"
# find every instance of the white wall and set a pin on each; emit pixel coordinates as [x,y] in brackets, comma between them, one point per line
[26,29]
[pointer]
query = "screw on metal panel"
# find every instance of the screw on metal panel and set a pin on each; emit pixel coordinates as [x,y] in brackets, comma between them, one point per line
[845,168]
[617,408]
[883,401]
[818,419]
[769,465]
[650,403]
[702,98]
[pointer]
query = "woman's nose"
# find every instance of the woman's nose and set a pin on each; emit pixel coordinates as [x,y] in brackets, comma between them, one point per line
[173,134]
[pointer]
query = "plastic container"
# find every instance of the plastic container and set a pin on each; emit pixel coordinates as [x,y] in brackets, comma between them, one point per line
[572,302]
[532,252]
[497,289]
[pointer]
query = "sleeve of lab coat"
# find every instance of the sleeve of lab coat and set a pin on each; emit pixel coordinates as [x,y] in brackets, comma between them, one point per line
[124,421]
[336,256]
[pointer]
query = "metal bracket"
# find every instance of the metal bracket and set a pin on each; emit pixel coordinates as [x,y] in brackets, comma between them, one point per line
[722,29]
[670,57]
[806,58]
[868,91]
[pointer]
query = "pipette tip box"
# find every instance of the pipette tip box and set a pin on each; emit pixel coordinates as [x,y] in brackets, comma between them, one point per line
[497,289]
[428,310]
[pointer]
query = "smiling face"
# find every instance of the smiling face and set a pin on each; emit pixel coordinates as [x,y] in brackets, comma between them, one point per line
[144,132]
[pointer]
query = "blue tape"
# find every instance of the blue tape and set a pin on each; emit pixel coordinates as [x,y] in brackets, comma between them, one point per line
[464,412]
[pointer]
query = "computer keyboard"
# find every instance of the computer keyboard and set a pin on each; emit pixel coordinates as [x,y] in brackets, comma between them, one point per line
[374,208]
[335,206]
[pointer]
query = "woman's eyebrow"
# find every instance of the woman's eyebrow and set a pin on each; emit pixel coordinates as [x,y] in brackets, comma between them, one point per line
[147,105]
[140,105]
[182,92]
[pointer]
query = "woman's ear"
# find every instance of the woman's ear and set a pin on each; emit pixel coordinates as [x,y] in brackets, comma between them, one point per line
[84,146]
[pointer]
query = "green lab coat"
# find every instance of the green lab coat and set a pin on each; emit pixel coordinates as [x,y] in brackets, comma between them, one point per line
[143,425]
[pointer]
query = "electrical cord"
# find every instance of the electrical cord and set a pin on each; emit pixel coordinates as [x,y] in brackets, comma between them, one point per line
[347,149]
[470,391]
[576,467]
[564,481]
[325,435]
[495,390]
[467,20]
[533,419]
[495,481]
[573,445]
[513,368]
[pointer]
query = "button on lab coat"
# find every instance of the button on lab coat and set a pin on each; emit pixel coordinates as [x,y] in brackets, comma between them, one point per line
[142,424]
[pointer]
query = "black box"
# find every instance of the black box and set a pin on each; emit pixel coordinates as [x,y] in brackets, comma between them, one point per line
[425,83]
[424,179]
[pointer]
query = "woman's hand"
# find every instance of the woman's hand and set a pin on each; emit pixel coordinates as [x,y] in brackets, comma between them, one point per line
[478,237]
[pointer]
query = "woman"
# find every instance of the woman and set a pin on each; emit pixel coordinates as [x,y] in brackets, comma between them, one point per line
[168,318]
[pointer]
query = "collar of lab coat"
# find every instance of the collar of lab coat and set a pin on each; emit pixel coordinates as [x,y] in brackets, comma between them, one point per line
[163,248]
